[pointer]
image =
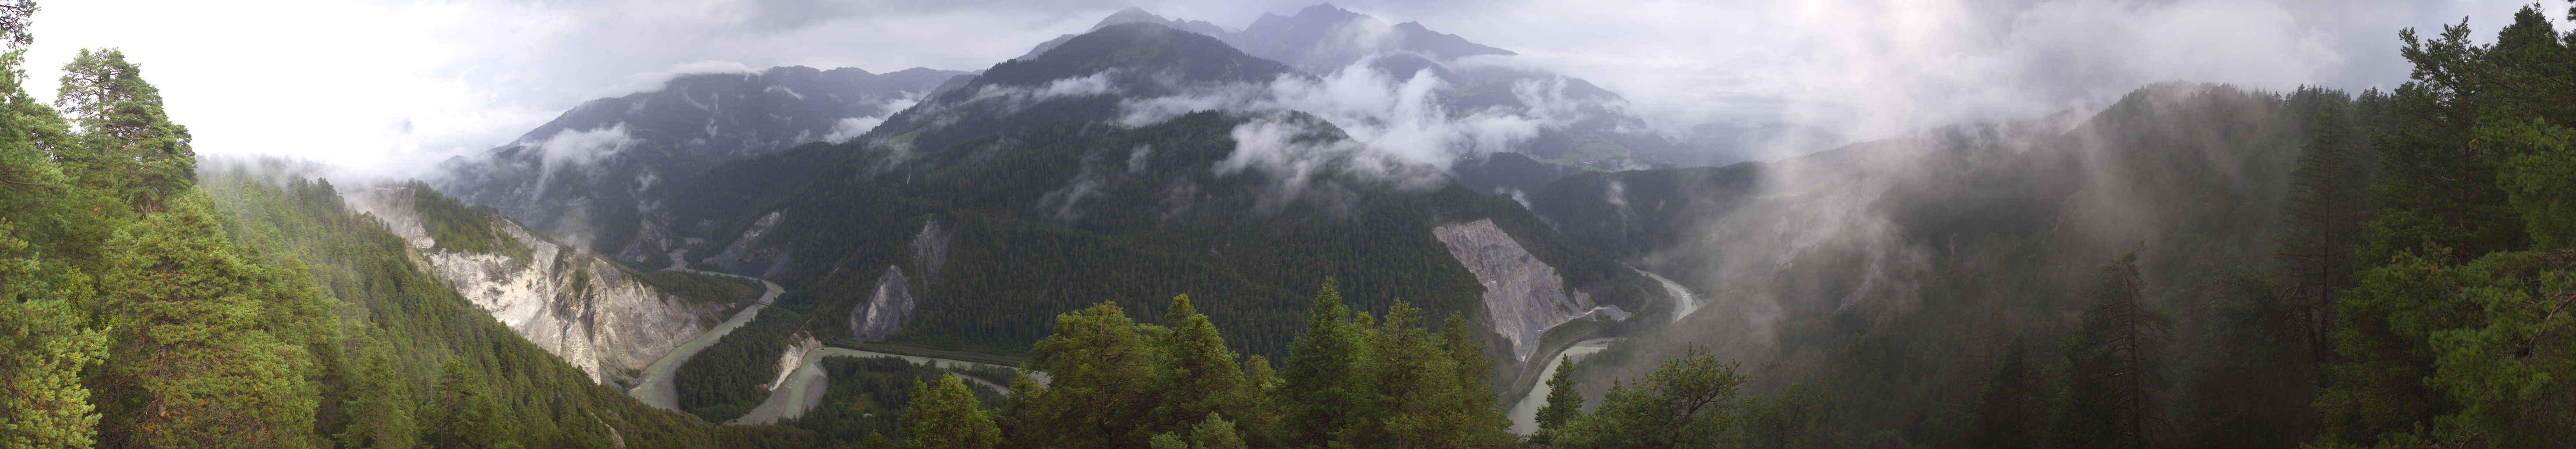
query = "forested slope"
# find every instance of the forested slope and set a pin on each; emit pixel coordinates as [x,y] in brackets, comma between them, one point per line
[2194,266]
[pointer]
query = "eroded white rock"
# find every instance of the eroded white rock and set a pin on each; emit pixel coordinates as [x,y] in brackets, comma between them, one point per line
[572,303]
[1523,296]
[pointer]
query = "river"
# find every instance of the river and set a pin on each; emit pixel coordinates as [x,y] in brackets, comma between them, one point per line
[1524,414]
[656,388]
[1683,302]
[805,387]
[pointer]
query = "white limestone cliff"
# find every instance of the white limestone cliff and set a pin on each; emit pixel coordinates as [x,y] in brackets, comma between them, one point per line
[570,302]
[1523,297]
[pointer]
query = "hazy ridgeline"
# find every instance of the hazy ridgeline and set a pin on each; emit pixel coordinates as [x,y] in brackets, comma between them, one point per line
[2193,266]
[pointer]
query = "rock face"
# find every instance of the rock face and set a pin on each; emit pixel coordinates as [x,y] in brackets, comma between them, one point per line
[570,302]
[746,257]
[888,307]
[794,357]
[929,251]
[1523,297]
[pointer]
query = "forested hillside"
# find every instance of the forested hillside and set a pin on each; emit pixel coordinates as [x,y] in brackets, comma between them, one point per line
[963,242]
[2194,266]
[147,307]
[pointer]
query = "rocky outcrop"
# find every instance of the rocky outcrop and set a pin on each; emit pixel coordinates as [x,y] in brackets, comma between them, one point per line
[888,307]
[929,251]
[573,303]
[1523,297]
[747,257]
[794,357]
[652,240]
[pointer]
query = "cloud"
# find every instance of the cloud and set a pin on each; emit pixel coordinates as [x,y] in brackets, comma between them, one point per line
[853,127]
[1400,117]
[575,150]
[389,86]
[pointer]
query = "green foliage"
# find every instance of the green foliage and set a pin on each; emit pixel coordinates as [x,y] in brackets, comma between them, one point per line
[422,330]
[1025,247]
[2005,417]
[1687,402]
[462,228]
[127,145]
[699,289]
[947,416]
[1322,372]
[1564,402]
[1100,395]
[197,361]
[2326,208]
[867,396]
[43,348]
[2112,366]
[729,377]
[2442,342]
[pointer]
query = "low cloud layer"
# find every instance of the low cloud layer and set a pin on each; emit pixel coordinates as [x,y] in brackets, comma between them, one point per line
[382,85]
[1396,116]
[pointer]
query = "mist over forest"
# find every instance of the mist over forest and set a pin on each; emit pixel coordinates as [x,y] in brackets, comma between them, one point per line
[1257,224]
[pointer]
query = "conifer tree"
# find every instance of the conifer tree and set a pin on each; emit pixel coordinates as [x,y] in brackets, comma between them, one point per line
[378,404]
[127,143]
[947,416]
[1688,401]
[2325,212]
[1564,401]
[2003,415]
[2473,166]
[1320,387]
[1100,395]
[1483,419]
[1410,398]
[1198,375]
[465,413]
[43,348]
[192,365]
[2111,365]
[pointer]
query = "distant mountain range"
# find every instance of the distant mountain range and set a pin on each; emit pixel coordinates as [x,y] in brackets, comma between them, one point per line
[597,172]
[962,211]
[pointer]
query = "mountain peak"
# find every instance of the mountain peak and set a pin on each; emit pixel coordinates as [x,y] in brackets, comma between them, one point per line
[1130,15]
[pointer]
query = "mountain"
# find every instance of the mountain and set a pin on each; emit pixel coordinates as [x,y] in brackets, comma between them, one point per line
[1583,127]
[598,315]
[969,221]
[1882,263]
[597,172]
[1082,79]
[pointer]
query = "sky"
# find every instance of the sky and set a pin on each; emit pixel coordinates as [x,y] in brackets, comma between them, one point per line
[391,87]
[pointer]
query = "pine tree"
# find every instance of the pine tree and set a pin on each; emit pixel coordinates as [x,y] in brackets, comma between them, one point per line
[466,414]
[1215,433]
[2110,365]
[947,416]
[1688,401]
[2325,212]
[378,404]
[1319,385]
[192,365]
[43,348]
[1411,396]
[128,144]
[1100,394]
[2472,165]
[1197,375]
[1485,419]
[2002,418]
[1564,401]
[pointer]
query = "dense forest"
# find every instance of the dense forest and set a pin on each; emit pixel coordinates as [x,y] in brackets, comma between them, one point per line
[2194,266]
